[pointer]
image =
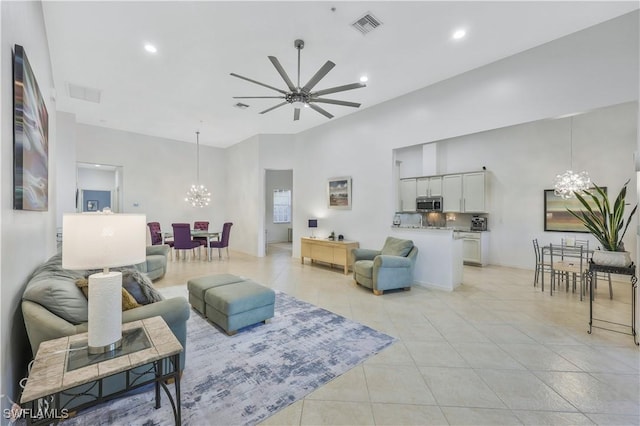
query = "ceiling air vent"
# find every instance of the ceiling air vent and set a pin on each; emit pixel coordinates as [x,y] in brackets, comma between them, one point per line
[240,105]
[367,23]
[84,93]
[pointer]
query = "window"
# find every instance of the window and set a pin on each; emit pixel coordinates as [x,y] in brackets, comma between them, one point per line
[282,206]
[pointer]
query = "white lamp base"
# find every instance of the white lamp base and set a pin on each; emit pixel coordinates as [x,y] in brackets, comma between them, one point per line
[105,312]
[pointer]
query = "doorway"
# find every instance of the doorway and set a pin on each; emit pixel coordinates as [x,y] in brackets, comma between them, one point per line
[98,187]
[278,212]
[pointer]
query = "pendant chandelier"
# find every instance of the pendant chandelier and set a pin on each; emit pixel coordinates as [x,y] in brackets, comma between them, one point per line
[570,182]
[198,195]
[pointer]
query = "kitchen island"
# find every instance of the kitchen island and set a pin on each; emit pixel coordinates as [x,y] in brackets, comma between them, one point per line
[439,262]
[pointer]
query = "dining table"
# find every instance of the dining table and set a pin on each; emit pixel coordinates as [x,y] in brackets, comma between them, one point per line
[209,235]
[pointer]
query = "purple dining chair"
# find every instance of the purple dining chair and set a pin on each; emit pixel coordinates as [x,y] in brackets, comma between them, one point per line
[182,238]
[224,242]
[201,226]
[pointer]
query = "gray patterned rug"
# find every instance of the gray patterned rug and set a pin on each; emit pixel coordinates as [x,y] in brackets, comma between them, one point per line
[248,377]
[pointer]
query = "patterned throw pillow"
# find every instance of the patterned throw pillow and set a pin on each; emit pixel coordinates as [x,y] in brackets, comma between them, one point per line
[128,301]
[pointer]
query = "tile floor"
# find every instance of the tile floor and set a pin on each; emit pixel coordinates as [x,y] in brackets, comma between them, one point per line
[495,351]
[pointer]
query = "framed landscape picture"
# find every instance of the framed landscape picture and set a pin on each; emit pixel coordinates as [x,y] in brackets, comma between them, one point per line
[30,138]
[556,216]
[339,193]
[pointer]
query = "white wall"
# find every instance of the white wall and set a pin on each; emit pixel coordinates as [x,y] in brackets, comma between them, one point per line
[276,180]
[66,156]
[584,71]
[157,174]
[245,197]
[96,179]
[28,238]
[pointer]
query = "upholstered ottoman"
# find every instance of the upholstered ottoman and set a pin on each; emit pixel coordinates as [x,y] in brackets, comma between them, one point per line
[199,286]
[238,305]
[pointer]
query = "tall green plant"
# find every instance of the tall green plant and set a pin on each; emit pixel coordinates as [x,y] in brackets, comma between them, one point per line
[605,223]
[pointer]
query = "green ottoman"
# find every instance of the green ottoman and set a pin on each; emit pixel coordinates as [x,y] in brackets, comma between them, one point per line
[199,286]
[237,305]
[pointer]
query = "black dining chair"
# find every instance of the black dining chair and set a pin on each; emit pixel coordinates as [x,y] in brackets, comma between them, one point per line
[182,239]
[224,241]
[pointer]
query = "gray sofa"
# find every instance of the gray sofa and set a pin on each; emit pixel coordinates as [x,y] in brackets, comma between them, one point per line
[53,306]
[386,269]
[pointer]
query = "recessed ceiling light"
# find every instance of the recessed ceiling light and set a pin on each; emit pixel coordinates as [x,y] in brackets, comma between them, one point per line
[150,48]
[98,165]
[364,79]
[458,34]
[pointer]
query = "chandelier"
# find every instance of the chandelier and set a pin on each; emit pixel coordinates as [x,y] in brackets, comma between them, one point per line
[570,182]
[198,195]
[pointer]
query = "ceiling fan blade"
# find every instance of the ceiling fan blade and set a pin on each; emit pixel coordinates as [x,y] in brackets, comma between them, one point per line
[328,66]
[335,102]
[296,114]
[258,83]
[320,110]
[274,107]
[282,73]
[258,97]
[339,89]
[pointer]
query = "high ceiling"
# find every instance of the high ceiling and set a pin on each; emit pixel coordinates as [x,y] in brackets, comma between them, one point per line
[186,85]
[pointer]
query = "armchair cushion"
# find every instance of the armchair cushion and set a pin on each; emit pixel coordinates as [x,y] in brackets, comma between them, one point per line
[397,247]
[364,254]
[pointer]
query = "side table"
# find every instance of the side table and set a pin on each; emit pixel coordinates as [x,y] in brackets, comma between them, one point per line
[631,271]
[64,364]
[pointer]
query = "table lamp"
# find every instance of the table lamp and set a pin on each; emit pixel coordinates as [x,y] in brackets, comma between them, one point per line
[313,223]
[101,241]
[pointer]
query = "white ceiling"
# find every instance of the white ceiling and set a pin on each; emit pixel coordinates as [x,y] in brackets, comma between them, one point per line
[186,86]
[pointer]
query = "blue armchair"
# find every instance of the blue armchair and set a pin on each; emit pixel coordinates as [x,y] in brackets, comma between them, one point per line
[386,269]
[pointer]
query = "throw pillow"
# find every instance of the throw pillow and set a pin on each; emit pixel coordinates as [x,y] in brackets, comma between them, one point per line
[140,287]
[128,301]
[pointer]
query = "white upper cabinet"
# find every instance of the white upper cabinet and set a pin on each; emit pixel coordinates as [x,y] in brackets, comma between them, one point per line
[407,195]
[452,193]
[464,193]
[429,186]
[473,192]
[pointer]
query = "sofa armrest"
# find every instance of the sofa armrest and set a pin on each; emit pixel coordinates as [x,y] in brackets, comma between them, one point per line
[162,249]
[42,325]
[173,311]
[364,254]
[388,261]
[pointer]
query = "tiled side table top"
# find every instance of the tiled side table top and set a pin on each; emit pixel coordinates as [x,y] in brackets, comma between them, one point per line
[50,375]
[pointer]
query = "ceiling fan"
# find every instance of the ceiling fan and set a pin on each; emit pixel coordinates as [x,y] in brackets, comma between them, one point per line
[303,96]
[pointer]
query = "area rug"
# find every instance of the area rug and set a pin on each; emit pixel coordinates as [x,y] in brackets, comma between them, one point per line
[246,378]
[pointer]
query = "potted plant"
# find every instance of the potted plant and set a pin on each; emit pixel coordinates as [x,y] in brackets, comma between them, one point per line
[606,223]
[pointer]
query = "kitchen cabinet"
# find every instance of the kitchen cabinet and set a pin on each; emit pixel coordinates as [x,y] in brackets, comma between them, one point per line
[473,192]
[464,193]
[429,186]
[475,247]
[452,193]
[407,195]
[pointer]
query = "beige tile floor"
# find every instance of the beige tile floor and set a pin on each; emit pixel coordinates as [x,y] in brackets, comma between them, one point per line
[495,351]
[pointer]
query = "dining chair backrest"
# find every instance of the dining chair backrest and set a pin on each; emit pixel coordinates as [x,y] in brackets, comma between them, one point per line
[574,242]
[536,250]
[201,226]
[156,233]
[182,236]
[567,257]
[226,230]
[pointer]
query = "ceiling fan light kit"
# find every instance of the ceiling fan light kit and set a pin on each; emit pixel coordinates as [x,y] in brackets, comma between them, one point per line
[299,96]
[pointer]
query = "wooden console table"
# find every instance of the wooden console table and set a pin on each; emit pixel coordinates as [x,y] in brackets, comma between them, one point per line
[332,252]
[631,271]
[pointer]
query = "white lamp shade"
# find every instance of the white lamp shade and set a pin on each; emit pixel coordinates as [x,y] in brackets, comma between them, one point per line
[103,240]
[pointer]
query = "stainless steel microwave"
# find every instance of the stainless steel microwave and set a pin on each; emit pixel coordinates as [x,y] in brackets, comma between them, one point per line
[429,204]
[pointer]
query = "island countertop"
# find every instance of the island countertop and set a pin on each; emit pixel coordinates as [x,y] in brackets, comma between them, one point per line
[439,262]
